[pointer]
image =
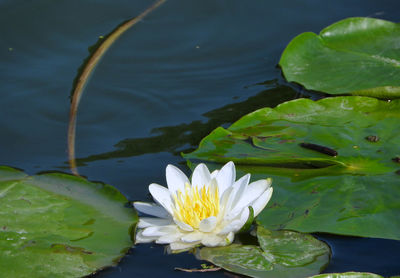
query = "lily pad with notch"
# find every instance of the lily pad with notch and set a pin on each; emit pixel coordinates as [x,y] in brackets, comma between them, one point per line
[58,225]
[358,56]
[354,192]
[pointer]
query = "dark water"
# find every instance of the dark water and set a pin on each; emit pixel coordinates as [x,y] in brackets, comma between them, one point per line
[184,70]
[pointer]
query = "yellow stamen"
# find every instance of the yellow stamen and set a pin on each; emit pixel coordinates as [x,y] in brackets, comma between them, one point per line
[194,204]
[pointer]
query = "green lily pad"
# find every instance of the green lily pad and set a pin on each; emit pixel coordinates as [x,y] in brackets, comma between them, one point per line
[58,225]
[280,254]
[348,275]
[354,192]
[358,56]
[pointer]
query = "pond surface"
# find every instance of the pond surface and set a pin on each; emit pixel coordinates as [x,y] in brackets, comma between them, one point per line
[187,68]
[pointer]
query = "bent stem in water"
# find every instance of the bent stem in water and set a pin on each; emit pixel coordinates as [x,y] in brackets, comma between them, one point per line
[85,73]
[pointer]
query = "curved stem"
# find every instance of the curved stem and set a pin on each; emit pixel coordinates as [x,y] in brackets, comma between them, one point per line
[84,75]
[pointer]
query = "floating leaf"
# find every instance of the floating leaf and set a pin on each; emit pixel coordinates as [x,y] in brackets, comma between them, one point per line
[348,275]
[58,225]
[359,56]
[281,254]
[355,192]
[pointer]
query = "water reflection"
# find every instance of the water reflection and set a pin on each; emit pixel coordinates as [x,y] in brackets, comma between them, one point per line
[185,137]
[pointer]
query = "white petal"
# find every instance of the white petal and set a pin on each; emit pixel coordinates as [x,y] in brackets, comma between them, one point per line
[194,237]
[183,226]
[176,246]
[213,185]
[225,197]
[214,174]
[145,222]
[201,176]
[244,216]
[260,203]
[226,177]
[156,231]
[208,224]
[253,191]
[212,240]
[223,203]
[239,188]
[231,226]
[140,238]
[162,196]
[236,224]
[151,209]
[169,238]
[176,179]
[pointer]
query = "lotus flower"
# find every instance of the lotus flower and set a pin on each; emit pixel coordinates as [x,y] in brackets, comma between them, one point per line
[207,211]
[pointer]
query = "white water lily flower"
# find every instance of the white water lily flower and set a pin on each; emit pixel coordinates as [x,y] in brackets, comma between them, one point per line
[208,211]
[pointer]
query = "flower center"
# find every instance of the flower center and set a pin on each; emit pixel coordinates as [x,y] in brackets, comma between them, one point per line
[194,204]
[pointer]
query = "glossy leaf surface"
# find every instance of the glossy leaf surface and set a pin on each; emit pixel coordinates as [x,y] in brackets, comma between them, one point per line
[358,56]
[280,254]
[58,225]
[355,192]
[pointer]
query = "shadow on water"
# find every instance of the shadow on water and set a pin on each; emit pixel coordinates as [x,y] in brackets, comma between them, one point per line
[185,137]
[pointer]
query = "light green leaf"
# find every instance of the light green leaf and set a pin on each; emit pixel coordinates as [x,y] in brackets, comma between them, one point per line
[359,56]
[58,225]
[355,192]
[281,254]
